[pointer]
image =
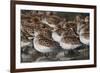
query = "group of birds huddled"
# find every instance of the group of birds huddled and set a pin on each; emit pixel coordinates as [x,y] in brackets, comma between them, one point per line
[48,33]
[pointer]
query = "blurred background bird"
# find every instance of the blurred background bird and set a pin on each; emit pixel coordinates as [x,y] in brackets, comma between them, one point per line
[83,30]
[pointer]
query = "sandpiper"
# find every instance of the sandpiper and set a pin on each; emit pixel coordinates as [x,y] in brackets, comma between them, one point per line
[28,24]
[58,30]
[43,41]
[84,31]
[51,20]
[84,34]
[69,42]
[56,34]
[44,45]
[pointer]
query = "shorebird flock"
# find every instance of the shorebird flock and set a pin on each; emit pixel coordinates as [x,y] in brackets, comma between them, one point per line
[46,36]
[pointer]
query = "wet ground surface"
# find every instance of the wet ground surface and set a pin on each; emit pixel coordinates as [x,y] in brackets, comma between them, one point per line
[29,54]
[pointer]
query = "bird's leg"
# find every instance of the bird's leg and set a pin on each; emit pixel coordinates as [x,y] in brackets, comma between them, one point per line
[46,54]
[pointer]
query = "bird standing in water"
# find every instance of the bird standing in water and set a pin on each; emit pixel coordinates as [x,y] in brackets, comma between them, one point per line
[70,40]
